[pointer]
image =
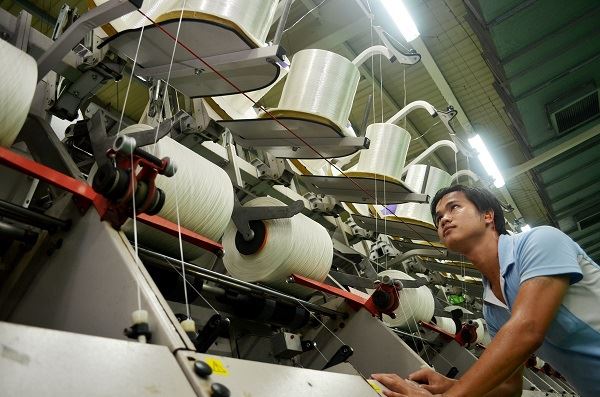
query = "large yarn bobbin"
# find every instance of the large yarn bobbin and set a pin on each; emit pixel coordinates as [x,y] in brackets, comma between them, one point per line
[416,304]
[204,193]
[446,323]
[320,83]
[18,79]
[252,17]
[280,247]
[386,154]
[423,179]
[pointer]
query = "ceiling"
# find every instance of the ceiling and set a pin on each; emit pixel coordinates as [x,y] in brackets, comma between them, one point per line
[500,62]
[545,57]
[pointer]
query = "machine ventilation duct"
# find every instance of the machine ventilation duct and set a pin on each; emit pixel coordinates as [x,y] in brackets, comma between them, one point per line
[569,112]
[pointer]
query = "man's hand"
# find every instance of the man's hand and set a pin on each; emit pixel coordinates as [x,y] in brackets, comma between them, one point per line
[431,381]
[398,387]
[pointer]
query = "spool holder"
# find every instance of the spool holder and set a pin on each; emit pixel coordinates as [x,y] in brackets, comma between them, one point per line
[117,159]
[267,134]
[248,66]
[397,228]
[246,217]
[344,189]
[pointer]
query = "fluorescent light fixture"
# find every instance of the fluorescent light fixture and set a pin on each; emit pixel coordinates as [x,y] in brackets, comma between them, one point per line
[402,18]
[486,160]
[525,228]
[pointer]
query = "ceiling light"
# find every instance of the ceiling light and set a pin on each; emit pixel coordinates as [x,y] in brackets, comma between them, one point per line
[525,228]
[486,160]
[402,18]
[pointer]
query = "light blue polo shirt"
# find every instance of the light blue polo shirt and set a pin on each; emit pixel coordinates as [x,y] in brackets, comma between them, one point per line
[572,343]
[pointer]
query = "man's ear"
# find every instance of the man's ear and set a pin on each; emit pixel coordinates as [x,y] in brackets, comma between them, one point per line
[488,217]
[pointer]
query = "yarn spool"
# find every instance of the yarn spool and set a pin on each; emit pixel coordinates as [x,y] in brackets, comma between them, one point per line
[320,83]
[252,17]
[445,323]
[481,330]
[416,304]
[386,154]
[204,193]
[280,247]
[18,79]
[423,179]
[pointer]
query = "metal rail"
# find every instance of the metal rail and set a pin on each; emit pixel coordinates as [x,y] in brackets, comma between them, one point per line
[236,284]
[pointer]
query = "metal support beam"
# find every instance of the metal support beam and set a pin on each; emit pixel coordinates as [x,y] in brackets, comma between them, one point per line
[551,153]
[512,12]
[440,81]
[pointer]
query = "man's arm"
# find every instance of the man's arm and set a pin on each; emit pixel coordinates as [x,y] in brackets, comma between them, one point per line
[512,387]
[520,336]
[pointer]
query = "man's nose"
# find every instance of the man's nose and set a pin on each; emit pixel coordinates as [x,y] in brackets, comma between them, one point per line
[445,219]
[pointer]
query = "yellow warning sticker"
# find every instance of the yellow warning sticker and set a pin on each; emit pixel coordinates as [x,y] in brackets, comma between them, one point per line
[375,386]
[217,366]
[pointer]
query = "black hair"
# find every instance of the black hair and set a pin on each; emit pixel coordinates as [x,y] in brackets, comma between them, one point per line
[483,199]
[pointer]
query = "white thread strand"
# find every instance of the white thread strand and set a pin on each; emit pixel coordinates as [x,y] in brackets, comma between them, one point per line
[321,83]
[166,91]
[292,245]
[133,171]
[192,286]
[18,79]
[137,50]
[303,16]
[135,232]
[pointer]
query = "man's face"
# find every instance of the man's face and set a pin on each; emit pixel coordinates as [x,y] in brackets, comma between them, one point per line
[459,222]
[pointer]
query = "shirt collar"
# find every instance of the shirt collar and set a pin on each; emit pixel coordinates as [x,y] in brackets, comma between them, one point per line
[506,255]
[506,258]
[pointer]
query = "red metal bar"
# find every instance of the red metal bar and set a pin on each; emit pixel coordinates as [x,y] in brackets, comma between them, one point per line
[186,235]
[355,301]
[81,190]
[437,329]
[86,195]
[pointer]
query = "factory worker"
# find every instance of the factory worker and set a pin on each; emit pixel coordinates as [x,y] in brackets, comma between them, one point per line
[541,295]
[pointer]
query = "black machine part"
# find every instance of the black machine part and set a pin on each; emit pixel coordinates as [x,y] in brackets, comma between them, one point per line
[267,310]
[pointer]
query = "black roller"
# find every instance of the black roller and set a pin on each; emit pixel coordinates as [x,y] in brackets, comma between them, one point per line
[256,243]
[157,203]
[111,182]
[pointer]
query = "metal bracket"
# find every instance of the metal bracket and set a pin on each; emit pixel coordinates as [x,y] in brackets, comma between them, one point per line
[409,108]
[66,17]
[429,151]
[404,58]
[276,170]
[97,16]
[446,117]
[382,248]
[22,31]
[324,204]
[242,216]
[101,143]
[340,356]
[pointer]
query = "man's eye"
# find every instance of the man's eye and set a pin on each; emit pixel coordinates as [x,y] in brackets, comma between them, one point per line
[454,206]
